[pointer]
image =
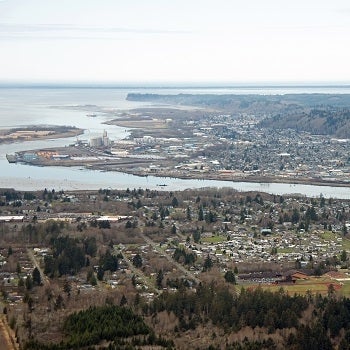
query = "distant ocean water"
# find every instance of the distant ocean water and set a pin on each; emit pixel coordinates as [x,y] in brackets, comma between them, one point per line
[20,106]
[70,106]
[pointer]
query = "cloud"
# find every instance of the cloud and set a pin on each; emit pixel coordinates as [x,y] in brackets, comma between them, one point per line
[60,31]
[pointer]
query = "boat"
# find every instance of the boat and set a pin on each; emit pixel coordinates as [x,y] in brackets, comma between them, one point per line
[91,115]
[11,158]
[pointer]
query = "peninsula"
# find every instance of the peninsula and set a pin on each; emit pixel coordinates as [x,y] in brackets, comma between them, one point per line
[37,133]
[222,137]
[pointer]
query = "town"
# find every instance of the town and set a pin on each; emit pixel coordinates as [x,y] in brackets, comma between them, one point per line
[181,266]
[63,250]
[207,146]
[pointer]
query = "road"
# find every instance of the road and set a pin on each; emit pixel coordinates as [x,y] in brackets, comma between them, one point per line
[138,272]
[44,279]
[7,337]
[155,246]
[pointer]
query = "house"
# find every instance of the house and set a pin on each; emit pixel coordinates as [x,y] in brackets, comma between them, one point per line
[292,276]
[12,218]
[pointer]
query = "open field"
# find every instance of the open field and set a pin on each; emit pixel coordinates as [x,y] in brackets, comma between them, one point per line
[38,133]
[214,239]
[144,124]
[346,289]
[346,243]
[315,285]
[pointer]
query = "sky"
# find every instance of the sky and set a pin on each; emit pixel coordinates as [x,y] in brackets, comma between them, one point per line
[175,41]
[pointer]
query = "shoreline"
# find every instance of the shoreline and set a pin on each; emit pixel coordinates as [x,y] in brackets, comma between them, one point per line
[12,135]
[254,179]
[122,165]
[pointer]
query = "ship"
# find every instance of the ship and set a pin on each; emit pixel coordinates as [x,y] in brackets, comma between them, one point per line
[11,158]
[91,115]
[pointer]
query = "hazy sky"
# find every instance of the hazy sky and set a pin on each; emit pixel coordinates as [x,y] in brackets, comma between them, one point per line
[126,41]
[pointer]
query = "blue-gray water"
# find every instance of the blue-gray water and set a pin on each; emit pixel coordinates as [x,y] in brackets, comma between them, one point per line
[35,106]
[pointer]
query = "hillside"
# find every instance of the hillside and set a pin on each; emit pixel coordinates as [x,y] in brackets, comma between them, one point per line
[326,114]
[225,100]
[335,122]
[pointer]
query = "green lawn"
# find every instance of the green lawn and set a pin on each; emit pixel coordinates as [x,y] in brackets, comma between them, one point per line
[346,244]
[285,250]
[314,285]
[332,237]
[329,235]
[214,239]
[346,289]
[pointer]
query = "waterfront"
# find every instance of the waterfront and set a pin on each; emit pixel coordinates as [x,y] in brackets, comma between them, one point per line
[20,107]
[26,177]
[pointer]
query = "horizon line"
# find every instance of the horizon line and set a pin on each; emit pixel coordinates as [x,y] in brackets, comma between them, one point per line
[172,84]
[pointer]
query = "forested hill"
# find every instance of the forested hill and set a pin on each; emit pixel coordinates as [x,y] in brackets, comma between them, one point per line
[228,101]
[335,122]
[327,114]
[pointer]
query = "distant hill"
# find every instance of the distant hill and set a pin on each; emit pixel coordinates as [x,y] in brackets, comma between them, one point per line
[327,114]
[335,122]
[244,101]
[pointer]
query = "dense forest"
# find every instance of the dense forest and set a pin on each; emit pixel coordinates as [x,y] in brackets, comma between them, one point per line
[68,257]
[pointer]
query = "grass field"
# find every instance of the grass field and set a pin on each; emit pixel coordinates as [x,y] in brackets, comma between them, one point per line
[285,250]
[214,239]
[346,244]
[328,235]
[314,285]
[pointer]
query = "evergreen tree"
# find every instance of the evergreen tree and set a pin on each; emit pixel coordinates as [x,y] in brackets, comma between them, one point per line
[343,256]
[133,280]
[10,251]
[100,273]
[104,224]
[230,277]
[67,287]
[137,261]
[21,282]
[109,262]
[208,263]
[159,279]
[90,246]
[123,301]
[59,303]
[128,224]
[200,214]
[196,236]
[36,277]
[29,282]
[345,230]
[295,216]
